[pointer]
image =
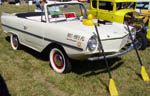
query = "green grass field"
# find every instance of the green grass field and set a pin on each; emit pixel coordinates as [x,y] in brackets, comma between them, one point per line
[27,73]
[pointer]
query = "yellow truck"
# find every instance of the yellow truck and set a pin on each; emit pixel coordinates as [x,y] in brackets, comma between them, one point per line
[121,11]
[112,10]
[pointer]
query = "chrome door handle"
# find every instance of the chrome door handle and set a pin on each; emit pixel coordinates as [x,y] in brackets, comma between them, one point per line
[25,27]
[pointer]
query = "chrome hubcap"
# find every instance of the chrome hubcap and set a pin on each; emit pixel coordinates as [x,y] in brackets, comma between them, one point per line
[15,41]
[58,60]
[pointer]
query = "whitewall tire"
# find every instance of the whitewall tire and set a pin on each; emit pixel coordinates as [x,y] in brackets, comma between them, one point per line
[14,42]
[59,60]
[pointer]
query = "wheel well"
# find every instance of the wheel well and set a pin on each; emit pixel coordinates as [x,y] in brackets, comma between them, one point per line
[51,45]
[14,34]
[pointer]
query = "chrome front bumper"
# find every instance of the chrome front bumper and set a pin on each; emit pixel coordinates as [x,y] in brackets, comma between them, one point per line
[113,55]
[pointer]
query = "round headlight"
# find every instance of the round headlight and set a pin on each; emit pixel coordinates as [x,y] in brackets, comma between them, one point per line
[92,43]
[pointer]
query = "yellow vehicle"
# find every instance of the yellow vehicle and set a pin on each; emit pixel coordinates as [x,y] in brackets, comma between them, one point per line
[143,7]
[148,32]
[121,11]
[113,10]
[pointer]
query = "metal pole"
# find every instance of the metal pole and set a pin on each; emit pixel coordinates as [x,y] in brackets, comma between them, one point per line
[134,46]
[101,46]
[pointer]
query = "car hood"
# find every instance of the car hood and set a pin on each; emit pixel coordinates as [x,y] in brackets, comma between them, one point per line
[114,30]
[124,12]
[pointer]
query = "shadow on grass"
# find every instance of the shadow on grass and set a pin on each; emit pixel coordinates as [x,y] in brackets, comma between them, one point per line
[81,67]
[34,53]
[95,68]
[106,86]
[139,75]
[3,87]
[136,72]
[31,51]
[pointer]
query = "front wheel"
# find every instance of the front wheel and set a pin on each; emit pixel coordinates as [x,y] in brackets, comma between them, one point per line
[59,61]
[141,41]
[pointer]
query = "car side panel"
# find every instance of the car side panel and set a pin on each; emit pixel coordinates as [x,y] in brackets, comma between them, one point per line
[34,32]
[9,24]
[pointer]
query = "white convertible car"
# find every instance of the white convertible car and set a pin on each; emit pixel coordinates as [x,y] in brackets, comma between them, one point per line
[58,29]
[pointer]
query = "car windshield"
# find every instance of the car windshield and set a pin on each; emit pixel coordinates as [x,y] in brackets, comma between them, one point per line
[66,11]
[106,5]
[142,5]
[125,5]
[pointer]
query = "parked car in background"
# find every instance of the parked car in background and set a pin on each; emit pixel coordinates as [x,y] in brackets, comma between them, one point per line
[13,1]
[143,7]
[121,11]
[112,10]
[34,1]
[60,30]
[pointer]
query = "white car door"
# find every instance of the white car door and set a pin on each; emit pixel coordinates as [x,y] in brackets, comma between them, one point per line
[33,35]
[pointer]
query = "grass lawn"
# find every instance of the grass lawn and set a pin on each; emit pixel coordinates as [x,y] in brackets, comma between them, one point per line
[27,73]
